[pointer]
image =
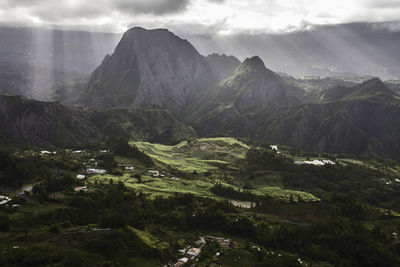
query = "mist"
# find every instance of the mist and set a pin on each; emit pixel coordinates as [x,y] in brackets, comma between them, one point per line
[355,49]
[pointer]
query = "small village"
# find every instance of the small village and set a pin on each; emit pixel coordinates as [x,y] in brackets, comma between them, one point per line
[315,162]
[191,254]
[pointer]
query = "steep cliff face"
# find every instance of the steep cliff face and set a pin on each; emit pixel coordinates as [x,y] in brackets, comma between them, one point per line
[149,67]
[26,122]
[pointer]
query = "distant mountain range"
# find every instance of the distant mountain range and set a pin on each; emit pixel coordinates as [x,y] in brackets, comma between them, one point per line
[158,87]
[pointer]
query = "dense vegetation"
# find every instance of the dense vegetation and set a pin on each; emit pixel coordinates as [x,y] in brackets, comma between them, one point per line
[118,223]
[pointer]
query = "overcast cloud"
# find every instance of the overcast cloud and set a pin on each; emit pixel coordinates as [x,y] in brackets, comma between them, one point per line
[198,16]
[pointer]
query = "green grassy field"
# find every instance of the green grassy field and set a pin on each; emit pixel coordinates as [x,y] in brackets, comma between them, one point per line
[200,155]
[165,187]
[155,186]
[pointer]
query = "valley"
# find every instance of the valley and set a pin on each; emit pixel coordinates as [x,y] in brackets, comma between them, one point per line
[163,156]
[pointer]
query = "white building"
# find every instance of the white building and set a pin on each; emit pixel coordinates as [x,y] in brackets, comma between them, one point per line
[184,259]
[154,173]
[315,162]
[4,200]
[274,147]
[95,171]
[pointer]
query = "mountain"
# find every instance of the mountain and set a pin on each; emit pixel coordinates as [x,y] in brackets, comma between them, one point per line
[364,119]
[373,88]
[25,122]
[157,87]
[149,67]
[251,87]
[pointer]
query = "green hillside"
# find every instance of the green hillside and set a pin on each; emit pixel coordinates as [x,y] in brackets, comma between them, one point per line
[200,155]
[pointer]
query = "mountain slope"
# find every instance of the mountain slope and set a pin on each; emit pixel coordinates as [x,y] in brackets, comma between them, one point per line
[26,122]
[364,120]
[30,123]
[149,67]
[250,88]
[142,124]
[371,89]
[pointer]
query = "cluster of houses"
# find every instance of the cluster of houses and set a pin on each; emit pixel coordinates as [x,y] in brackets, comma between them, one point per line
[275,148]
[223,242]
[45,152]
[315,162]
[189,254]
[4,200]
[388,182]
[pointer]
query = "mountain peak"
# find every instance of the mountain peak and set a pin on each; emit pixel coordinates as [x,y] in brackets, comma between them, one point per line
[148,34]
[254,63]
[149,67]
[374,81]
[143,30]
[371,89]
[374,86]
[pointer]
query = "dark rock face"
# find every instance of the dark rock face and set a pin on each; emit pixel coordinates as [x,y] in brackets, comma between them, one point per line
[149,67]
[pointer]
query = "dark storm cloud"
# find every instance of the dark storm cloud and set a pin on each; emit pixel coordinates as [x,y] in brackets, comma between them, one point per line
[199,17]
[156,7]
[55,11]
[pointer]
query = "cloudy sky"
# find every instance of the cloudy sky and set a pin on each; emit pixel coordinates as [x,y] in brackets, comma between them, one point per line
[196,16]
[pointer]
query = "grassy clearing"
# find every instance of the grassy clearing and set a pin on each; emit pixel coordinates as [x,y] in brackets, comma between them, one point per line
[160,186]
[200,155]
[168,187]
